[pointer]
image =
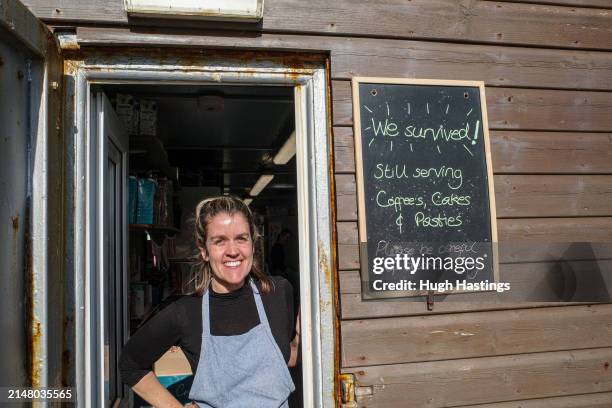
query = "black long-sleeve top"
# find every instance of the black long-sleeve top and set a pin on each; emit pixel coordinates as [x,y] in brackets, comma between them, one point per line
[180,324]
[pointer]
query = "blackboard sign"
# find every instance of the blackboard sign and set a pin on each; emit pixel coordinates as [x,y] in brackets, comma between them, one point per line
[424,187]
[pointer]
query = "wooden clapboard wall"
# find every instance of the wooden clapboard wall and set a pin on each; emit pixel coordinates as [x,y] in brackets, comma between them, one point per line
[547,65]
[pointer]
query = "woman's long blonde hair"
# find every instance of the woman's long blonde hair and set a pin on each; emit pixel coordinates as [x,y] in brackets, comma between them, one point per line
[207,209]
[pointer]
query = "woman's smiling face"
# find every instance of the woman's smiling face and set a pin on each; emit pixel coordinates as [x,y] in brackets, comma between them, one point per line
[229,250]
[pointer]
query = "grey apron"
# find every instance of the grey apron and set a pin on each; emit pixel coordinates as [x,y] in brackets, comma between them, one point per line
[242,371]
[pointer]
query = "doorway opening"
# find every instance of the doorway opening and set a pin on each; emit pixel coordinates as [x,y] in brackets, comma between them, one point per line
[187,143]
[91,78]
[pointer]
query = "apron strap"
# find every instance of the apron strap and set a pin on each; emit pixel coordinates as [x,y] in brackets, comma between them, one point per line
[263,319]
[206,313]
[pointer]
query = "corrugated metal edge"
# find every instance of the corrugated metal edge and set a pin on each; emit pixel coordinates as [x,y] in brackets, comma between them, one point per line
[30,32]
[20,22]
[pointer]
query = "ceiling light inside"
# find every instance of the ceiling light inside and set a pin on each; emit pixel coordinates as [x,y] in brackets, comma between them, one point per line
[261,183]
[287,151]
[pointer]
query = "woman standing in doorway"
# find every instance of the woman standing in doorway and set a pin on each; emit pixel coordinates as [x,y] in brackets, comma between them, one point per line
[236,330]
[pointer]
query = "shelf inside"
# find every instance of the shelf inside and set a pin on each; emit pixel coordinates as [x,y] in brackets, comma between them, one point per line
[167,229]
[181,260]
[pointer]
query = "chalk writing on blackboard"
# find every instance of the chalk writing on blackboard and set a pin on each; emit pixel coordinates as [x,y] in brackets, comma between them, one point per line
[424,179]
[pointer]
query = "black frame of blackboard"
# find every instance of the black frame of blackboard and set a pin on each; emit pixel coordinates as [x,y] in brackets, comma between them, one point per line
[361,213]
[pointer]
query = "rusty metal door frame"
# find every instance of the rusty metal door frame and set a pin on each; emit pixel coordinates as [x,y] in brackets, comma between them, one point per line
[313,152]
[33,306]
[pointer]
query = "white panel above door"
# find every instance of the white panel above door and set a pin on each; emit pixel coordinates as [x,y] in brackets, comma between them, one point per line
[235,10]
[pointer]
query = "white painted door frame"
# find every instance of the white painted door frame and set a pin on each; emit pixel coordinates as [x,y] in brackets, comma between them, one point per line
[314,196]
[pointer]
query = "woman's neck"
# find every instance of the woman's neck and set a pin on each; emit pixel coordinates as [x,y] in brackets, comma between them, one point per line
[221,288]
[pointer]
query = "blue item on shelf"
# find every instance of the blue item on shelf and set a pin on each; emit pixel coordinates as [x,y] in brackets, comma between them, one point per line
[132,199]
[146,197]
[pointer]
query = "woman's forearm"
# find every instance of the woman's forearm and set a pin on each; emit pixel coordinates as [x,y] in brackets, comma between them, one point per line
[295,349]
[295,343]
[150,389]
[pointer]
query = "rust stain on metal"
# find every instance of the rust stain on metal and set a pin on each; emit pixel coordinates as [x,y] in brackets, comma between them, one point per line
[34,326]
[36,338]
[347,384]
[15,222]
[68,44]
[334,237]
[294,60]
[193,59]
[36,332]
[71,66]
[324,264]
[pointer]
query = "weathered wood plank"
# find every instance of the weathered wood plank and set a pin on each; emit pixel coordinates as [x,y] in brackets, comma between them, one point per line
[519,152]
[519,109]
[521,196]
[495,65]
[347,233]
[353,307]
[597,400]
[591,229]
[509,252]
[562,281]
[344,150]
[346,197]
[110,11]
[475,21]
[549,110]
[487,379]
[604,4]
[551,152]
[348,257]
[346,207]
[553,196]
[515,252]
[466,335]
